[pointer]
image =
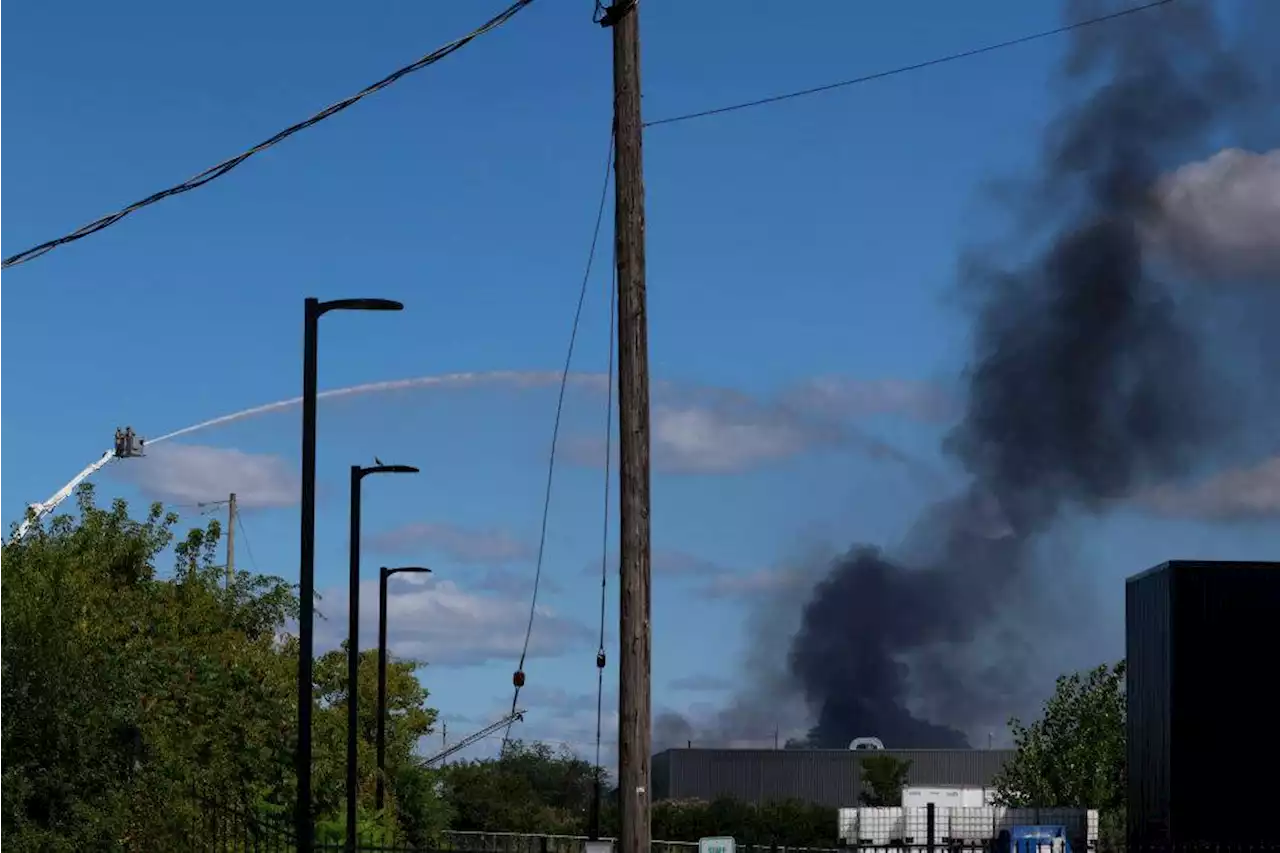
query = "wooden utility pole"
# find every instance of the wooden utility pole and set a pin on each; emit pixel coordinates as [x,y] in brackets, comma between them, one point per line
[634,735]
[231,538]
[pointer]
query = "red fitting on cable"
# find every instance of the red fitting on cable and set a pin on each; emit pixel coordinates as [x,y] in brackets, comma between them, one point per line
[518,678]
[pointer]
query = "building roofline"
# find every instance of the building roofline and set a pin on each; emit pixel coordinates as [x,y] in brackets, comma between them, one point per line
[1203,564]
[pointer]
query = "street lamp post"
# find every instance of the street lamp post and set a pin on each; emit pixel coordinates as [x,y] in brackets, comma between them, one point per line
[314,309]
[353,639]
[384,575]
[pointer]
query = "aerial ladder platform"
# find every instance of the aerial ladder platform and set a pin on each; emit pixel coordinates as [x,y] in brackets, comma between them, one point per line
[127,445]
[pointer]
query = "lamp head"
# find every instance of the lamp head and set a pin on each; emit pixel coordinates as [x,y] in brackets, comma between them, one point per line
[359,305]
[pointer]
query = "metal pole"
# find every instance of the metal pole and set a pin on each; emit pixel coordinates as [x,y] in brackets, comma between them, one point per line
[384,575]
[231,539]
[307,574]
[353,641]
[312,311]
[353,660]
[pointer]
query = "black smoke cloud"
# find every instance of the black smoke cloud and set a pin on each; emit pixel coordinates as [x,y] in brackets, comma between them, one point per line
[1085,384]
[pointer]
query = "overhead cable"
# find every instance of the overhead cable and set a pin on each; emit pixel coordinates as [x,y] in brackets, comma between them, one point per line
[518,677]
[225,166]
[244,534]
[604,549]
[893,72]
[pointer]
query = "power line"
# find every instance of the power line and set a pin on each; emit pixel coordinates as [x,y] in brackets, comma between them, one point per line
[244,534]
[518,677]
[893,72]
[604,548]
[225,166]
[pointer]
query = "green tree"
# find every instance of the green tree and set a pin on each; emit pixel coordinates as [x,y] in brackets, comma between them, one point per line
[790,823]
[883,778]
[528,788]
[535,788]
[129,697]
[1074,755]
[125,693]
[409,719]
[423,810]
[66,735]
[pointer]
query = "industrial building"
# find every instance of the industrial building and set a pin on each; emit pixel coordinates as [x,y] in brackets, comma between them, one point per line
[1203,741]
[829,777]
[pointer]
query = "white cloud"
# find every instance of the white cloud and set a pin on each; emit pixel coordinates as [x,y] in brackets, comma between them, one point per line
[715,581]
[467,545]
[667,562]
[690,440]
[438,622]
[192,473]
[708,577]
[701,683]
[575,731]
[1233,495]
[1221,216]
[513,583]
[550,699]
[844,397]
[462,719]
[695,440]
[757,582]
[703,430]
[696,429]
[680,563]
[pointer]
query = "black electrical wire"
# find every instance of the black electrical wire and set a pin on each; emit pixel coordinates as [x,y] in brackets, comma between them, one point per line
[247,546]
[518,676]
[225,166]
[604,548]
[893,72]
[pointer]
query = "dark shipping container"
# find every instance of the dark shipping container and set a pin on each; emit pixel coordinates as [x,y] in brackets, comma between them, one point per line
[1203,731]
[829,777]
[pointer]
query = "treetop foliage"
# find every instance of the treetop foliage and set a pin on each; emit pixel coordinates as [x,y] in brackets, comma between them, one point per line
[130,693]
[883,778]
[1074,755]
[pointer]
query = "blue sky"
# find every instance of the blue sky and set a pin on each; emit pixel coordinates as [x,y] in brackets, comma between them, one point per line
[814,239]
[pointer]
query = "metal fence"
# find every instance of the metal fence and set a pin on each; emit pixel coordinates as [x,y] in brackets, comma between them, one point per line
[230,828]
[227,826]
[514,842]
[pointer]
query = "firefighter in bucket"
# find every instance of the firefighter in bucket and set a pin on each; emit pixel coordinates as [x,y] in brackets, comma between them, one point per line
[128,444]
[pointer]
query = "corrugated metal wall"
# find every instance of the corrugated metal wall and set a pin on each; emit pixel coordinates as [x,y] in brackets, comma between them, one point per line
[827,777]
[1147,653]
[1224,669]
[1201,644]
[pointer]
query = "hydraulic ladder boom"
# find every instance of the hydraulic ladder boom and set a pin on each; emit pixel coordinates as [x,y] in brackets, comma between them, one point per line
[474,738]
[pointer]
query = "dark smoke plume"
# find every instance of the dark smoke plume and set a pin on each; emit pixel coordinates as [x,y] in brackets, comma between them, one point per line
[1084,386]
